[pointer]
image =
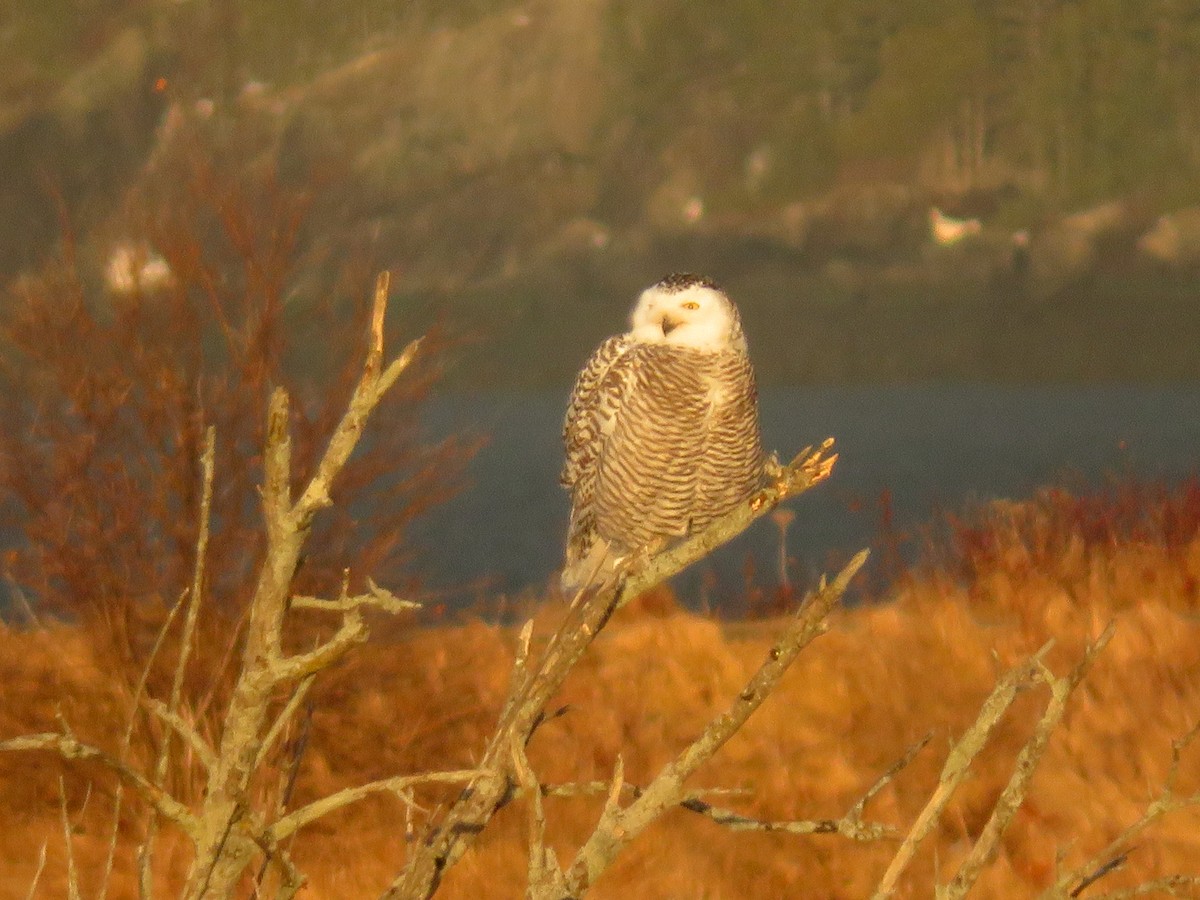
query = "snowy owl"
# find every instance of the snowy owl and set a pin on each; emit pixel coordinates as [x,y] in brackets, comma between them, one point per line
[661,433]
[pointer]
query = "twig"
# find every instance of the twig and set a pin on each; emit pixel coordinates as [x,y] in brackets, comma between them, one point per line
[958,763]
[1014,792]
[617,827]
[298,819]
[37,873]
[127,738]
[591,788]
[168,712]
[856,813]
[377,597]
[70,748]
[176,722]
[1166,803]
[69,842]
[285,715]
[735,821]
[851,825]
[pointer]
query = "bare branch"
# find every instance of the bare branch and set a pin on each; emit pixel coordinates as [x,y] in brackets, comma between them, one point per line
[227,839]
[69,842]
[1103,862]
[618,827]
[958,763]
[847,827]
[284,717]
[378,312]
[168,712]
[591,788]
[398,785]
[367,393]
[1013,795]
[377,597]
[70,748]
[126,738]
[850,826]
[534,685]
[856,813]
[199,746]
[277,463]
[1113,856]
[353,631]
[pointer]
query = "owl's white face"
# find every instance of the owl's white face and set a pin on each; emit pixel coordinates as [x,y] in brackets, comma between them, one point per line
[692,315]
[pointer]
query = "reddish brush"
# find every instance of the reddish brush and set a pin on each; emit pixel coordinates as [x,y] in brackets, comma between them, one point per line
[1059,534]
[106,397]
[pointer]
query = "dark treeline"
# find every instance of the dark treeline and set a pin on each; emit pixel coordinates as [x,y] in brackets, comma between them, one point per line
[505,155]
[1080,100]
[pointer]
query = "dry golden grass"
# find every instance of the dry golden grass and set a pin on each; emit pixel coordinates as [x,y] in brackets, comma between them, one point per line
[884,676]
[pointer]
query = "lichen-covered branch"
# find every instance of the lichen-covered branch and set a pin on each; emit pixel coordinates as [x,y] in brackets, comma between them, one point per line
[375,597]
[534,683]
[69,747]
[958,764]
[226,841]
[199,746]
[291,668]
[1014,792]
[1113,855]
[617,826]
[399,785]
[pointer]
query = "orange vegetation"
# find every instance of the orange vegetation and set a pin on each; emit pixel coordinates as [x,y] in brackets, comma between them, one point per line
[884,676]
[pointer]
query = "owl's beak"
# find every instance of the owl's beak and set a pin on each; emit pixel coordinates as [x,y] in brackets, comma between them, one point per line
[668,325]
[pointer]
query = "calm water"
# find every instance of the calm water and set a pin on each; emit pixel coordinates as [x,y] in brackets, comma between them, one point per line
[932,446]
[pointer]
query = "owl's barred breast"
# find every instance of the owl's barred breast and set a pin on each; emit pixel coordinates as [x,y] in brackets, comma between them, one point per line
[683,448]
[661,432]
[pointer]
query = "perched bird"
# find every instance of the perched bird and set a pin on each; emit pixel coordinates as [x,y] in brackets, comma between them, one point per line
[661,433]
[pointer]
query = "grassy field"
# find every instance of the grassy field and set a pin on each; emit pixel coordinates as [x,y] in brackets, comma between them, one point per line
[991,589]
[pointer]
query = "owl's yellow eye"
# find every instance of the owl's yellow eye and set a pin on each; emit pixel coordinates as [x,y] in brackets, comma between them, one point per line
[691,304]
